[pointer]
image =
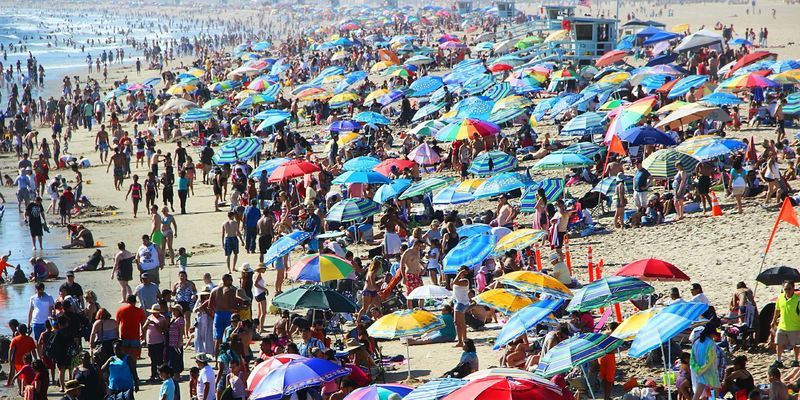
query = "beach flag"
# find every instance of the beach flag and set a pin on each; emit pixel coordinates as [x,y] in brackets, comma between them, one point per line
[751,155]
[616,146]
[787,215]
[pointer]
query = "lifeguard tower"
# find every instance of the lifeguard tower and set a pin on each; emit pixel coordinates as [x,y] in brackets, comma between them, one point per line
[464,6]
[506,9]
[590,38]
[391,3]
[554,15]
[334,3]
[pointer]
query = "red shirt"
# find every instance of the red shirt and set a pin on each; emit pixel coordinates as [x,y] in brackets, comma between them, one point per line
[130,319]
[26,375]
[21,345]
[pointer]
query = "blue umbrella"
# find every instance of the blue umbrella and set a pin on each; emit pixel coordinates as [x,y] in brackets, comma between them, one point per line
[361,176]
[586,149]
[344,126]
[371,117]
[783,66]
[391,97]
[363,163]
[391,190]
[721,99]
[435,389]
[352,209]
[556,161]
[564,103]
[576,351]
[626,42]
[525,320]
[426,110]
[438,95]
[196,114]
[543,107]
[643,135]
[478,83]
[284,245]
[476,107]
[469,252]
[266,114]
[740,42]
[468,231]
[662,59]
[425,86]
[237,149]
[502,183]
[660,37]
[349,80]
[269,166]
[553,189]
[686,84]
[252,100]
[273,90]
[653,82]
[499,91]
[665,325]
[589,123]
[492,162]
[272,120]
[296,375]
[261,46]
[451,195]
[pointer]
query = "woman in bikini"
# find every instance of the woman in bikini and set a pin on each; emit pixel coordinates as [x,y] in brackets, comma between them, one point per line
[370,292]
[169,228]
[151,191]
[135,193]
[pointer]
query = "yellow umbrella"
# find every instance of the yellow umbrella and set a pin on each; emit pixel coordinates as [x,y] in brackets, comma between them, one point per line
[339,55]
[196,72]
[181,88]
[332,79]
[380,66]
[616,77]
[671,107]
[628,329]
[680,28]
[789,77]
[344,98]
[376,94]
[507,301]
[405,323]
[536,282]
[469,185]
[558,35]
[346,138]
[518,239]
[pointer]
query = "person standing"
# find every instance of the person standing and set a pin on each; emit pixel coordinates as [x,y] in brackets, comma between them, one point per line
[206,381]
[251,217]
[183,190]
[411,268]
[40,309]
[641,186]
[266,231]
[123,269]
[130,319]
[169,230]
[121,372]
[149,259]
[21,345]
[260,293]
[786,324]
[231,236]
[147,292]
[222,304]
[703,362]
[154,327]
[37,223]
[185,292]
[174,341]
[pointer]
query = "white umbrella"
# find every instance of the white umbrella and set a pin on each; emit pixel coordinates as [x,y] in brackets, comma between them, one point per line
[504,45]
[690,113]
[484,37]
[701,38]
[175,105]
[429,292]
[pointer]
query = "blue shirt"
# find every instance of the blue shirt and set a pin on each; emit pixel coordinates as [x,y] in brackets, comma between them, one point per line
[183,183]
[251,216]
[167,390]
[305,348]
[312,224]
[640,180]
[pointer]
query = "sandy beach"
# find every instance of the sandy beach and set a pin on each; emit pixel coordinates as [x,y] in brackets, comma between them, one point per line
[716,252]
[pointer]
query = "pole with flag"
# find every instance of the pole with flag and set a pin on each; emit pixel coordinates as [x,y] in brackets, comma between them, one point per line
[788,215]
[615,147]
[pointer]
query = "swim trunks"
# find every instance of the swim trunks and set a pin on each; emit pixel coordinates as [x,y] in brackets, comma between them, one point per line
[222,320]
[231,245]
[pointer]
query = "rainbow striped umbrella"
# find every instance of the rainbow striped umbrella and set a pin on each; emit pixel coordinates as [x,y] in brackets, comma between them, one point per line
[526,319]
[258,84]
[748,81]
[507,301]
[564,74]
[321,268]
[630,116]
[576,351]
[466,129]
[530,281]
[352,209]
[388,391]
[492,162]
[254,100]
[668,323]
[518,240]
[608,291]
[469,252]
[512,102]
[553,189]
[296,375]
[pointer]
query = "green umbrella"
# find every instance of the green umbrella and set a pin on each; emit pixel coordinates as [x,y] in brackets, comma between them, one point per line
[214,103]
[315,297]
[425,186]
[662,163]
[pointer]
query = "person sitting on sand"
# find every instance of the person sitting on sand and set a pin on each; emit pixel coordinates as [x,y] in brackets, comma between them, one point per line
[19,276]
[83,239]
[445,335]
[39,273]
[94,263]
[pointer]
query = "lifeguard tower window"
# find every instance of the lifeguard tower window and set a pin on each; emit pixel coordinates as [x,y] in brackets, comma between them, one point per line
[602,33]
[584,32]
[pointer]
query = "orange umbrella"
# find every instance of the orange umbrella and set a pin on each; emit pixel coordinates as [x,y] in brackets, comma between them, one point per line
[610,58]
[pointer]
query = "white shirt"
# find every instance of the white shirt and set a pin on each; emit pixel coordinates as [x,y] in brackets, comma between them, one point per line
[206,376]
[148,257]
[701,298]
[41,308]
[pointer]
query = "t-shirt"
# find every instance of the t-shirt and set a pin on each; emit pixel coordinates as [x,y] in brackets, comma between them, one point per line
[130,320]
[167,390]
[41,308]
[148,257]
[147,294]
[27,375]
[469,357]
[790,312]
[449,330]
[640,180]
[21,345]
[206,376]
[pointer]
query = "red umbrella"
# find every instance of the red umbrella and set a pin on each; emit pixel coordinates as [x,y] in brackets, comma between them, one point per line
[610,58]
[507,388]
[263,368]
[385,167]
[750,58]
[650,269]
[500,67]
[292,169]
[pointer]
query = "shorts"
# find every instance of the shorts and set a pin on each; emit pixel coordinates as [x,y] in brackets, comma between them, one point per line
[460,307]
[739,191]
[261,297]
[703,184]
[140,155]
[119,172]
[231,245]
[464,168]
[132,347]
[640,199]
[186,305]
[264,241]
[279,265]
[23,195]
[222,320]
[787,338]
[413,281]
[102,146]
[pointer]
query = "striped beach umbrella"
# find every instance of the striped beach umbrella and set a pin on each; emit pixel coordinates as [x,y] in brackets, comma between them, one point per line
[404,323]
[498,91]
[668,323]
[321,268]
[576,351]
[272,119]
[503,182]
[388,391]
[506,114]
[475,107]
[708,147]
[607,186]
[427,110]
[543,107]
[512,102]
[564,103]
[254,100]
[391,190]
[435,389]
[284,245]
[352,209]
[272,90]
[553,190]
[557,161]
[492,162]
[425,186]
[526,319]
[586,149]
[361,176]
[197,115]
[629,116]
[478,83]
[748,81]
[391,97]
[439,94]
[466,129]
[418,60]
[518,240]
[224,86]
[686,84]
[662,163]
[237,149]
[506,301]
[589,123]
[296,375]
[424,154]
[530,281]
[608,291]
[469,252]
[450,195]
[427,128]
[792,104]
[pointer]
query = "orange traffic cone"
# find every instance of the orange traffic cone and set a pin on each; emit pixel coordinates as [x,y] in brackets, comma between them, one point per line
[716,210]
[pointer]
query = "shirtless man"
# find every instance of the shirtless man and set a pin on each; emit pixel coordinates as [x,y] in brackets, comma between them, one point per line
[154,162]
[391,240]
[101,143]
[231,236]
[118,160]
[411,269]
[223,305]
[506,213]
[704,173]
[613,168]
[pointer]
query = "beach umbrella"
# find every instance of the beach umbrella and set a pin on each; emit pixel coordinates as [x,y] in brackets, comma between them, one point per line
[576,351]
[271,119]
[709,149]
[450,195]
[651,269]
[343,98]
[557,161]
[473,107]
[525,320]
[349,80]
[644,135]
[385,167]
[361,176]
[792,104]
[501,183]
[690,113]
[478,83]
[518,240]
[314,297]
[607,291]
[721,99]
[778,275]
[530,281]
[386,391]
[498,91]
[628,329]
[585,124]
[371,117]
[254,100]
[237,149]
[214,103]
[553,190]
[565,103]
[512,102]
[405,323]
[492,162]
[662,163]
[286,379]
[507,388]
[750,58]
[610,58]
[630,116]
[375,95]
[672,320]
[505,372]
[608,185]
[748,81]
[425,86]
[506,301]
[175,105]
[391,190]
[344,126]
[362,163]
[268,166]
[284,245]
[435,389]
[686,84]
[424,155]
[505,115]
[313,93]
[426,292]
[586,149]
[671,107]
[293,169]
[427,110]
[321,268]
[611,104]
[419,60]
[614,76]
[196,115]
[352,209]
[263,368]
[427,128]
[470,230]
[701,38]
[469,252]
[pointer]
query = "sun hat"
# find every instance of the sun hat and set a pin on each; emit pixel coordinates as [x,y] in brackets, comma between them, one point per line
[352,344]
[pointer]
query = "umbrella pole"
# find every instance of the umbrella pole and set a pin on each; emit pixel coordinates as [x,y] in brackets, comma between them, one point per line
[408,359]
[664,357]
[586,377]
